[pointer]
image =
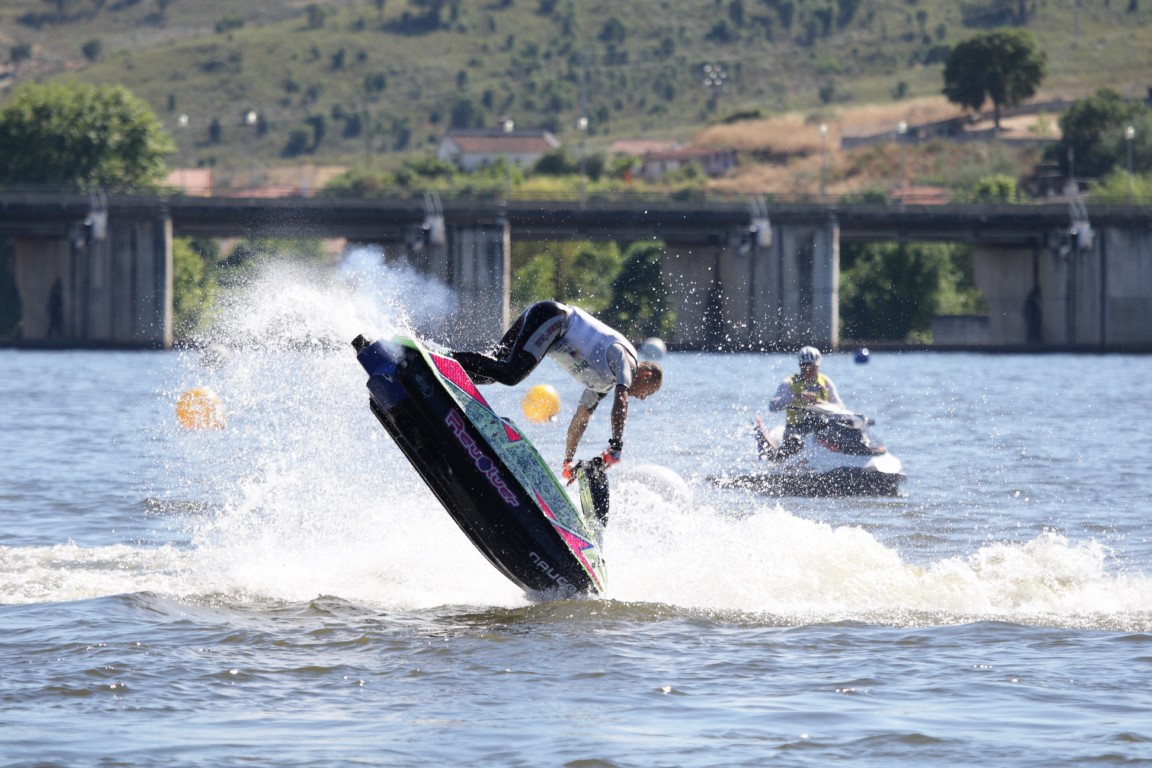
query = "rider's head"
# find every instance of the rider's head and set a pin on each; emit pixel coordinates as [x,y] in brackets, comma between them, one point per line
[809,358]
[649,377]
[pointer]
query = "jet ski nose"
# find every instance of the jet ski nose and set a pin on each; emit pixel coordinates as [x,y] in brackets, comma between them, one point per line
[359,342]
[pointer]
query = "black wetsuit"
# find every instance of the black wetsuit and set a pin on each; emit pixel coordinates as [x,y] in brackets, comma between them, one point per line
[510,363]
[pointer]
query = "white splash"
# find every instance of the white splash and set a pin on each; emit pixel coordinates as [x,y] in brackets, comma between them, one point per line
[315,497]
[772,562]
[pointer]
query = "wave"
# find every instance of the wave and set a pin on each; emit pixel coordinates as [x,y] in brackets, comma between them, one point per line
[767,567]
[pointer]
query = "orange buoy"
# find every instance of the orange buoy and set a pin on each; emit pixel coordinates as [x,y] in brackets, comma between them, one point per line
[541,403]
[200,408]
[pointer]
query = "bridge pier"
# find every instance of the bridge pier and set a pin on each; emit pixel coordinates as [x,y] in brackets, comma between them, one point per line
[107,285]
[474,261]
[754,292]
[1092,293]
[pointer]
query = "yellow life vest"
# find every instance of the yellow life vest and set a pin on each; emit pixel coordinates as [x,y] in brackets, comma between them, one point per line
[798,384]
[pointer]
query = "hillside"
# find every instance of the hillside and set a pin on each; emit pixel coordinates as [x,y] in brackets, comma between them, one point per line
[350,82]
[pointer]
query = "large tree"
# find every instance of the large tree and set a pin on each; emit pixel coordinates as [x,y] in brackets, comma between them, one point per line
[1092,134]
[891,291]
[1004,67]
[81,136]
[640,305]
[573,272]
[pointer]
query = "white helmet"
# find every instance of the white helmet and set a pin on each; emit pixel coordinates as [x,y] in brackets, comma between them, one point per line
[809,356]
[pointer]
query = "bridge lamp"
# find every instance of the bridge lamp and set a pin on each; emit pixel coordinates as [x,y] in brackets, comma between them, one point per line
[1129,134]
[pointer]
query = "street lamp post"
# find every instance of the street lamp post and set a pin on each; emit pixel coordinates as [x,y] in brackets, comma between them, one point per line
[508,127]
[182,129]
[901,132]
[1129,134]
[823,156]
[716,81]
[582,126]
[250,119]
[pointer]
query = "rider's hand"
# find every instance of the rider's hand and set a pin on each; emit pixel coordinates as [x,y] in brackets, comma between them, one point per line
[610,457]
[566,471]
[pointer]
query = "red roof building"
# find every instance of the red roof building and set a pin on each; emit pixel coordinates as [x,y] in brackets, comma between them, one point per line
[196,182]
[470,149]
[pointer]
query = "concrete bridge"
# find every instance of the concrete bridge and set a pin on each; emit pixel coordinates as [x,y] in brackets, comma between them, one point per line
[741,274]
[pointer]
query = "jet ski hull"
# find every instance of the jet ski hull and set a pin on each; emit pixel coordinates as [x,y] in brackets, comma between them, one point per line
[839,482]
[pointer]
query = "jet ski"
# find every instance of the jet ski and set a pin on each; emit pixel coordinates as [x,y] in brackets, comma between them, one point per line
[485,472]
[836,456]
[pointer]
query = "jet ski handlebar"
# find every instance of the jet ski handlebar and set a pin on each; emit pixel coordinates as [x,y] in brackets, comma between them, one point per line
[825,412]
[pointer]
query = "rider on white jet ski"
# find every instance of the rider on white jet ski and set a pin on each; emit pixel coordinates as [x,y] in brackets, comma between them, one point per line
[809,387]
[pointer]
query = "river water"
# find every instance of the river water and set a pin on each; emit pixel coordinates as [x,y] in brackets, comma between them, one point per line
[286,592]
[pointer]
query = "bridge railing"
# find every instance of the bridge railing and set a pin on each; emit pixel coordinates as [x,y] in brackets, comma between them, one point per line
[692,199]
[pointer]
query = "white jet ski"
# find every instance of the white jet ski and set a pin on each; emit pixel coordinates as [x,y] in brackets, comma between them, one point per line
[838,456]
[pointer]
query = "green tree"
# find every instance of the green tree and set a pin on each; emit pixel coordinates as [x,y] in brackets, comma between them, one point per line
[1118,186]
[425,173]
[574,272]
[92,49]
[194,287]
[18,54]
[162,10]
[1092,132]
[556,162]
[640,307]
[317,15]
[249,256]
[892,290]
[1004,67]
[61,7]
[81,136]
[998,188]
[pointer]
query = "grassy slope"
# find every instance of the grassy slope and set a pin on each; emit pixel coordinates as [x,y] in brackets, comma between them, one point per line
[277,65]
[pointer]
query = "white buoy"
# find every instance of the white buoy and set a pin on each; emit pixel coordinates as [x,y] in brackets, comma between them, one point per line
[653,348]
[662,481]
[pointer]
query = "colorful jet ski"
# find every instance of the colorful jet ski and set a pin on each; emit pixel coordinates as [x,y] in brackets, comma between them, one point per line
[485,472]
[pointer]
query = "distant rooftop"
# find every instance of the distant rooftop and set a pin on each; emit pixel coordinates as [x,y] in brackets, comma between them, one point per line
[639,147]
[497,142]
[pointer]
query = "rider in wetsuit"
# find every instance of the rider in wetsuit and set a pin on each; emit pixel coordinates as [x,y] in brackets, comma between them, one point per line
[597,356]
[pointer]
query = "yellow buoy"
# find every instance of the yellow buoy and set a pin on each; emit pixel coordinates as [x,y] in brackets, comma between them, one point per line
[200,408]
[541,403]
